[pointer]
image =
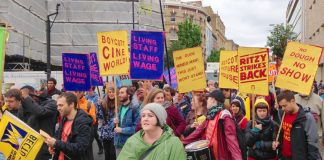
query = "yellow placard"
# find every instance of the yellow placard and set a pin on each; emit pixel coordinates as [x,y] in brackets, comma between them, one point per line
[273,72]
[298,68]
[253,70]
[228,70]
[189,66]
[113,55]
[18,140]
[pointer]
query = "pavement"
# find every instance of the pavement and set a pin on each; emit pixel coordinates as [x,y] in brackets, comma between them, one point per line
[95,151]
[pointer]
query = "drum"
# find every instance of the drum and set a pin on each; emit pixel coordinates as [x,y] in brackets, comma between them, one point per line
[198,151]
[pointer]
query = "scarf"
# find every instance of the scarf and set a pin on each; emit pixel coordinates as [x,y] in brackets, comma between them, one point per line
[212,112]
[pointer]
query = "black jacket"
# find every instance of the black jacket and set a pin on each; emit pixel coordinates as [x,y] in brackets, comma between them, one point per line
[263,138]
[78,145]
[304,137]
[56,91]
[42,115]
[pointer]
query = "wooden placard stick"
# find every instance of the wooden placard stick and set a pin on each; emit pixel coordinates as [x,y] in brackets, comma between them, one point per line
[116,107]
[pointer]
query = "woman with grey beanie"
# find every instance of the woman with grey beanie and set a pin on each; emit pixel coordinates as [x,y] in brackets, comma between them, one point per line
[154,140]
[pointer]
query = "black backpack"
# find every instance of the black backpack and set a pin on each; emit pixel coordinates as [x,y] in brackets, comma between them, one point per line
[240,138]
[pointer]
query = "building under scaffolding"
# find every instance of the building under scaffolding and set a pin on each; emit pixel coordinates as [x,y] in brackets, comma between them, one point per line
[75,27]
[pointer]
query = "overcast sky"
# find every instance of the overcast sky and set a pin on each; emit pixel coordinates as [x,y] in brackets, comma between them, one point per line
[247,21]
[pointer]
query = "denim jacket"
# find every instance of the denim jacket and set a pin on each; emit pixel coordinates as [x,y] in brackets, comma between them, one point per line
[128,125]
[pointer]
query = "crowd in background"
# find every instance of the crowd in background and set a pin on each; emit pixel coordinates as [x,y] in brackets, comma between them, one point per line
[154,121]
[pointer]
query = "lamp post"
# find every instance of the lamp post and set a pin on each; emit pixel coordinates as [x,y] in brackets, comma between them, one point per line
[165,44]
[48,40]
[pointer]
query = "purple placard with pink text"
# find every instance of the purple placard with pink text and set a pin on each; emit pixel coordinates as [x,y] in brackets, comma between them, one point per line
[174,83]
[76,72]
[96,79]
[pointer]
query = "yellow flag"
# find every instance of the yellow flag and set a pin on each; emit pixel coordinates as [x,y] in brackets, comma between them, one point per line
[298,68]
[253,70]
[18,140]
[113,53]
[190,71]
[228,73]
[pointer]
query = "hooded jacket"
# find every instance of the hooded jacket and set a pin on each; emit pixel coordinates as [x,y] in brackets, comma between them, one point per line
[78,145]
[221,132]
[42,115]
[304,137]
[261,139]
[167,147]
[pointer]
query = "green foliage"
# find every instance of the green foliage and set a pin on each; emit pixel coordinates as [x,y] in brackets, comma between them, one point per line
[189,35]
[280,35]
[214,56]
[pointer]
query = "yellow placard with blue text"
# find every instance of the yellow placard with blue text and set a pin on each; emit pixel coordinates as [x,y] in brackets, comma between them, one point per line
[17,139]
[113,55]
[189,66]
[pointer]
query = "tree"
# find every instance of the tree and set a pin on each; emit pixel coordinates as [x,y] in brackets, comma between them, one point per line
[214,56]
[280,35]
[189,35]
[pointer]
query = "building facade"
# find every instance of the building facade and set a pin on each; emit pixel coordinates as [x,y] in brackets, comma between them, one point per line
[76,25]
[212,27]
[307,19]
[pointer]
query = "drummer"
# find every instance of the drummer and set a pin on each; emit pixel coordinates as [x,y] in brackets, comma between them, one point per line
[220,121]
[155,140]
[198,112]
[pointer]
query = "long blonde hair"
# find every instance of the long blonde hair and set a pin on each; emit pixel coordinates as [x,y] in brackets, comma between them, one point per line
[150,97]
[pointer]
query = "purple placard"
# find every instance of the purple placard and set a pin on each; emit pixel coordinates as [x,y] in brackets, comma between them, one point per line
[76,72]
[96,79]
[174,83]
[147,49]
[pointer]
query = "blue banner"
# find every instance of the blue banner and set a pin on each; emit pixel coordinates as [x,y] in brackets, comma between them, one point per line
[76,72]
[96,79]
[174,83]
[147,50]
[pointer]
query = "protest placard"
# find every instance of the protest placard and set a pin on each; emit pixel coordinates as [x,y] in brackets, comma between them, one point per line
[147,49]
[190,71]
[174,83]
[76,72]
[228,74]
[3,37]
[273,71]
[298,68]
[123,80]
[96,79]
[113,53]
[17,139]
[253,70]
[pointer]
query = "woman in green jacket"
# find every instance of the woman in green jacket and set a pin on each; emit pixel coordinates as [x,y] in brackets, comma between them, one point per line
[155,140]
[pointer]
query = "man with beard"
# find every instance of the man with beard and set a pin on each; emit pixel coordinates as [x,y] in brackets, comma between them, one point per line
[73,140]
[128,116]
[36,111]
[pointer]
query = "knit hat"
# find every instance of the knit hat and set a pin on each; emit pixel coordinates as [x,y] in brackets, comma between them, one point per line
[239,101]
[218,95]
[261,103]
[159,112]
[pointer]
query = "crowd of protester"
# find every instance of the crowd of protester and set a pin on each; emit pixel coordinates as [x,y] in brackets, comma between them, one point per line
[153,121]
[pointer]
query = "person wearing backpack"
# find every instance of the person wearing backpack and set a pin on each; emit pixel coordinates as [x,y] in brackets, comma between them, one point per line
[219,129]
[299,138]
[262,136]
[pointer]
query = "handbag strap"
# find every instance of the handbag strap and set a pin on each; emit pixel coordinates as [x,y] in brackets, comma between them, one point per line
[147,152]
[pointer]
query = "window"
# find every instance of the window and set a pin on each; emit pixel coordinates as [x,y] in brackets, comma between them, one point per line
[173,17]
[173,34]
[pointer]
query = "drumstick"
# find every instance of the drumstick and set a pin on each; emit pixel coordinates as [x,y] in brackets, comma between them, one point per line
[280,127]
[194,102]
